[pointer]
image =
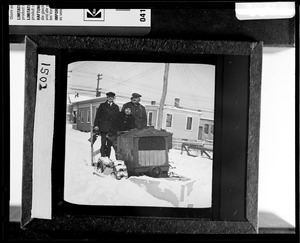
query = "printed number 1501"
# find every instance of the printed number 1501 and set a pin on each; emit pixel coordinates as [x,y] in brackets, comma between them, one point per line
[44,72]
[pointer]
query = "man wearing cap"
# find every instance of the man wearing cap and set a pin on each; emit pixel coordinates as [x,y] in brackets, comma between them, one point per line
[105,119]
[138,111]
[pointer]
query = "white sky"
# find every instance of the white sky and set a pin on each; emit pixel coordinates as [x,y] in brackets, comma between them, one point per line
[193,84]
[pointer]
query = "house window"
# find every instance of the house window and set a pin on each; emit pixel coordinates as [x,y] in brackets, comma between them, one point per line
[81,116]
[206,128]
[78,115]
[74,117]
[189,123]
[200,133]
[169,120]
[212,129]
[150,117]
[88,118]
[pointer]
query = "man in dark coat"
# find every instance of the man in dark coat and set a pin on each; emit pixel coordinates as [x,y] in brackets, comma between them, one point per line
[138,111]
[105,119]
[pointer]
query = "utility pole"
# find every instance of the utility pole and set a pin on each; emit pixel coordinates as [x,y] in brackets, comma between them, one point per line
[163,96]
[99,77]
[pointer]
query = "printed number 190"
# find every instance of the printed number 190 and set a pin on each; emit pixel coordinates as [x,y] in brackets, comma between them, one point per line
[142,15]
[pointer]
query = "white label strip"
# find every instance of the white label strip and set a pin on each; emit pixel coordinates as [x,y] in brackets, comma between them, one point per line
[43,137]
[265,10]
[43,15]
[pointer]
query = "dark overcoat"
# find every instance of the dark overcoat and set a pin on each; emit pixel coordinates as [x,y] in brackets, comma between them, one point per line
[106,116]
[139,113]
[125,122]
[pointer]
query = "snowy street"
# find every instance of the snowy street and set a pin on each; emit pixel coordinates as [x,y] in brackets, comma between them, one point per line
[85,188]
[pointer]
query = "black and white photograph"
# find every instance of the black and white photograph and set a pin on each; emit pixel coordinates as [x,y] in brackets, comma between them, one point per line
[152,121]
[139,134]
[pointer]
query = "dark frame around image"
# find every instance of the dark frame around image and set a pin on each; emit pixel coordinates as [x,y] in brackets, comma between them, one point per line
[236,136]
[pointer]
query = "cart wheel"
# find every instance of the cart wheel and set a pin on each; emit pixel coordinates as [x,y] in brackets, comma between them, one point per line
[155,172]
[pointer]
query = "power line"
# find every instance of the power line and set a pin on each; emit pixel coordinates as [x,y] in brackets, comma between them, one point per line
[140,75]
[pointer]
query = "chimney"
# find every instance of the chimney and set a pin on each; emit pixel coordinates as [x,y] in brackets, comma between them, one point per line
[153,102]
[176,103]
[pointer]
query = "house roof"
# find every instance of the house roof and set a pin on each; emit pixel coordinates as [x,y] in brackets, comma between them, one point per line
[72,98]
[86,99]
[207,115]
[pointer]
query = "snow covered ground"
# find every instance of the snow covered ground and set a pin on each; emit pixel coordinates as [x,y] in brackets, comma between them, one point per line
[85,188]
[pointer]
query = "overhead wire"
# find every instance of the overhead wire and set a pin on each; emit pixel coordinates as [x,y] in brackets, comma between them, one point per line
[131,81]
[134,78]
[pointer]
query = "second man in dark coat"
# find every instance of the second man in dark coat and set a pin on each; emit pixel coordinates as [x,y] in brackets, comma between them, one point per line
[105,119]
[138,111]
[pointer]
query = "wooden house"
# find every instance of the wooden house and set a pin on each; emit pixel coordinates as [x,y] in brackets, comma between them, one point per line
[185,124]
